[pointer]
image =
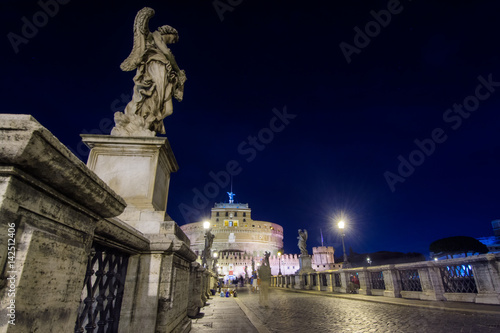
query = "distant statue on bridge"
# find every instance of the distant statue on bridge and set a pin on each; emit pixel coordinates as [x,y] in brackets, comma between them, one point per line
[266,258]
[254,272]
[302,242]
[207,252]
[157,80]
[265,280]
[209,239]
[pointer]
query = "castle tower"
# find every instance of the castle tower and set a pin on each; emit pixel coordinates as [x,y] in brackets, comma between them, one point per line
[238,238]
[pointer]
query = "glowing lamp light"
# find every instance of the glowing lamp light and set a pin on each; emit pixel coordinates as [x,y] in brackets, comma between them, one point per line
[206,225]
[341,224]
[215,254]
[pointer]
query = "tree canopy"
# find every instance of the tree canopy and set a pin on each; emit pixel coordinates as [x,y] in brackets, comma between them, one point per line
[382,258]
[456,245]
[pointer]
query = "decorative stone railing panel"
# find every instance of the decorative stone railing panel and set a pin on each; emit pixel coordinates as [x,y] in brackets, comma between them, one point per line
[471,279]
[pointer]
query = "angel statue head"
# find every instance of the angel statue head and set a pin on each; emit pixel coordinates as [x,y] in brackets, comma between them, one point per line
[167,31]
[158,78]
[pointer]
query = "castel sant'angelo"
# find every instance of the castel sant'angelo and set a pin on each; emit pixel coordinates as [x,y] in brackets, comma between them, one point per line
[239,239]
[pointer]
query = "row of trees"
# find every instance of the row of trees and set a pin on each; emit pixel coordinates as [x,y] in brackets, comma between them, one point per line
[451,246]
[448,247]
[381,258]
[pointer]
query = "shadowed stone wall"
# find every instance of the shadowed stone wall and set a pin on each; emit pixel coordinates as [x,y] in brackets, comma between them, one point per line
[57,211]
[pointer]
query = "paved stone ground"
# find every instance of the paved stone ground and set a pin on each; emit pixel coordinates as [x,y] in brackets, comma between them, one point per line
[309,312]
[315,312]
[223,315]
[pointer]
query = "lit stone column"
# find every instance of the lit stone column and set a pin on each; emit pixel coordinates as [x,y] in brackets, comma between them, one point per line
[317,278]
[331,282]
[392,282]
[430,280]
[487,280]
[344,280]
[365,287]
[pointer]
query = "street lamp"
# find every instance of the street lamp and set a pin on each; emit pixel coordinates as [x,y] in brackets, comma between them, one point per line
[341,225]
[279,262]
[369,261]
[206,225]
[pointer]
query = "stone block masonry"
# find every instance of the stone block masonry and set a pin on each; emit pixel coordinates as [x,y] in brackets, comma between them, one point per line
[60,228]
[55,203]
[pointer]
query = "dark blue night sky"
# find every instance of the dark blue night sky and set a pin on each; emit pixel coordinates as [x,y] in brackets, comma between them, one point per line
[385,113]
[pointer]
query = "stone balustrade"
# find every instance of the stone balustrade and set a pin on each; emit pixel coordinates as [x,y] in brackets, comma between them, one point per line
[70,261]
[472,279]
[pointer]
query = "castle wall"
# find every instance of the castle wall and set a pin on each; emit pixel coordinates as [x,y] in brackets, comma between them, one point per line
[253,237]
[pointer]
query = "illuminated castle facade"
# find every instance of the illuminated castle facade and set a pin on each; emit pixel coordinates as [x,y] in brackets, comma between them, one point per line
[239,239]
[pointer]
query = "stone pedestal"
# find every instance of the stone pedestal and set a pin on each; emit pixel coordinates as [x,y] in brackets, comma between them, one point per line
[305,264]
[302,274]
[138,169]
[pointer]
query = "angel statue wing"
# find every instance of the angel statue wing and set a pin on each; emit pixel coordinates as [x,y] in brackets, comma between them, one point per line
[141,32]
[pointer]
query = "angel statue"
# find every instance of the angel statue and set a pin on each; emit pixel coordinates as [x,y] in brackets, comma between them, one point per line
[302,242]
[266,258]
[157,79]
[209,239]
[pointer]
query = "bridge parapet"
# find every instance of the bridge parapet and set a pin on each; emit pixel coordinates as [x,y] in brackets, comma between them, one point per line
[472,279]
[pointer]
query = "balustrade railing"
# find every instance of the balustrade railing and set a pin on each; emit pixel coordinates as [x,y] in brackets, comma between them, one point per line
[338,281]
[377,280]
[102,294]
[458,279]
[410,280]
[324,281]
[471,279]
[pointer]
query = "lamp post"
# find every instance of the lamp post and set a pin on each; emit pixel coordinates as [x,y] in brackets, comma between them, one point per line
[279,262]
[369,261]
[341,225]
